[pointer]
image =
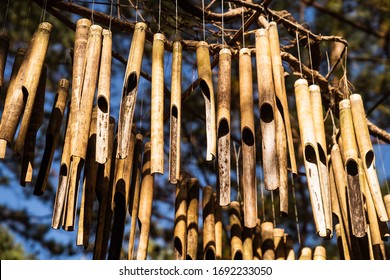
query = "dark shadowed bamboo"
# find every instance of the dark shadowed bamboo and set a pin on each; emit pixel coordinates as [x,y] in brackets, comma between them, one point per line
[208,224]
[386,199]
[247,243]
[288,245]
[4,44]
[218,229]
[267,245]
[192,218]
[257,254]
[180,227]
[279,244]
[235,231]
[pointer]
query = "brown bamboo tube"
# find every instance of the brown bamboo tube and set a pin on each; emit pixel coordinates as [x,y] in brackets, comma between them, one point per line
[103,99]
[180,228]
[319,253]
[319,128]
[367,154]
[310,154]
[192,218]
[248,139]
[175,111]
[247,243]
[145,204]
[281,150]
[267,110]
[386,199]
[280,90]
[24,90]
[350,158]
[288,245]
[235,231]
[257,254]
[306,254]
[52,134]
[135,192]
[36,120]
[223,126]
[4,44]
[206,86]
[218,229]
[279,244]
[267,236]
[157,105]
[208,224]
[130,88]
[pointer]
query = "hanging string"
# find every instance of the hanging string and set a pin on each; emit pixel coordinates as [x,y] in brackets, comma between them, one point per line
[223,28]
[204,22]
[93,9]
[243,28]
[346,90]
[299,53]
[310,59]
[159,16]
[136,11]
[43,11]
[383,165]
[176,15]
[5,16]
[111,8]
[237,156]
[27,22]
[295,209]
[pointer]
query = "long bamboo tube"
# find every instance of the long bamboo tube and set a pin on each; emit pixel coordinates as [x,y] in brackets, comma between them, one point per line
[223,126]
[310,154]
[248,139]
[180,228]
[206,86]
[24,90]
[319,128]
[267,236]
[235,231]
[279,244]
[350,159]
[4,44]
[52,134]
[175,111]
[218,229]
[267,110]
[257,254]
[367,154]
[135,192]
[130,88]
[36,120]
[247,243]
[288,245]
[280,90]
[306,254]
[103,99]
[319,253]
[192,218]
[208,224]
[145,204]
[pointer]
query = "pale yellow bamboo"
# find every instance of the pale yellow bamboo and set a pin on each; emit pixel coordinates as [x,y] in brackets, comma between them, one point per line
[306,254]
[192,218]
[235,231]
[180,228]
[4,44]
[319,253]
[267,245]
[289,251]
[208,224]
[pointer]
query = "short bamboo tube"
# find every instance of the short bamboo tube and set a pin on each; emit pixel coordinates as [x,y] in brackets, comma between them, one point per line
[52,134]
[208,224]
[192,218]
[257,253]
[206,86]
[218,229]
[248,139]
[103,99]
[367,154]
[130,88]
[4,44]
[267,110]
[306,254]
[157,105]
[310,153]
[180,227]
[235,231]
[247,243]
[279,244]
[223,126]
[288,245]
[175,113]
[319,253]
[267,245]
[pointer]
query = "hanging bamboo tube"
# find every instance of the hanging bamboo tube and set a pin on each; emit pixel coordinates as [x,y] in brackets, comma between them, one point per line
[235,231]
[257,254]
[247,243]
[340,244]
[279,244]
[180,228]
[223,126]
[175,111]
[206,86]
[319,253]
[310,154]
[386,199]
[104,194]
[350,158]
[135,192]
[248,139]
[319,128]
[306,254]
[24,90]
[267,236]
[130,88]
[267,110]
[52,134]
[36,120]
[208,224]
[218,229]
[192,218]
[145,204]
[157,105]
[103,99]
[288,245]
[4,44]
[367,154]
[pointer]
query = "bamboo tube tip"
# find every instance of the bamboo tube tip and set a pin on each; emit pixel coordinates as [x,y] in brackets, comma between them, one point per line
[267,226]
[46,25]
[225,51]
[64,83]
[202,44]
[84,22]
[4,36]
[273,23]
[344,104]
[21,51]
[112,120]
[159,36]
[107,32]
[306,253]
[355,97]
[319,252]
[139,137]
[301,82]
[140,25]
[3,148]
[96,29]
[234,204]
[314,88]
[245,51]
[148,145]
[278,232]
[261,32]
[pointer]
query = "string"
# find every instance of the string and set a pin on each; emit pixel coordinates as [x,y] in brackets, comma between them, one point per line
[299,53]
[346,91]
[237,156]
[5,16]
[262,192]
[243,28]
[223,32]
[204,22]
[310,59]
[93,9]
[383,166]
[176,15]
[295,209]
[27,22]
[111,8]
[159,16]
[136,11]
[43,12]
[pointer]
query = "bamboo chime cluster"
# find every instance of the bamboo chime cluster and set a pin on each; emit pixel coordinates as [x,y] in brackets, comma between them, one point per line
[118,167]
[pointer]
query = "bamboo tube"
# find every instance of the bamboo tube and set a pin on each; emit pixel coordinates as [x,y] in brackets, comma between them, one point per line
[180,229]
[24,90]
[267,246]
[319,253]
[267,110]
[192,218]
[135,192]
[36,120]
[157,105]
[175,111]
[103,99]
[145,204]
[281,150]
[367,154]
[4,44]
[52,134]
[104,194]
[218,229]
[310,154]
[257,254]
[279,244]
[235,231]
[206,85]
[319,128]
[248,139]
[208,224]
[339,239]
[386,199]
[247,243]
[350,158]
[130,88]
[223,126]
[289,251]
[306,254]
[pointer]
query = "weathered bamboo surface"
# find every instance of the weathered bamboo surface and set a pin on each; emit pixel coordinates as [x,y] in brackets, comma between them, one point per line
[192,218]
